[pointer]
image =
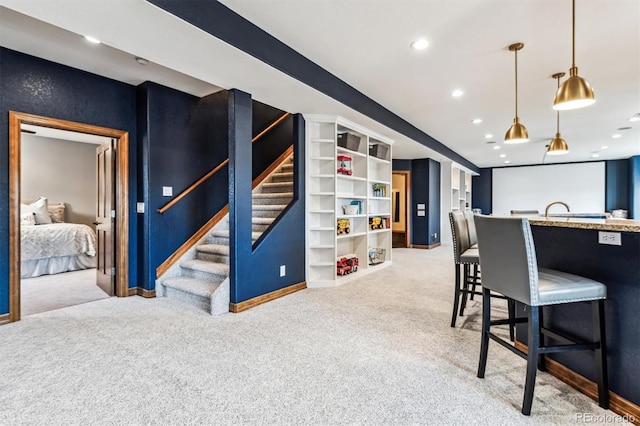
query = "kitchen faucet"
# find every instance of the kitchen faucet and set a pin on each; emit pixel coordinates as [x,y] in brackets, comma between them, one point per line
[546,210]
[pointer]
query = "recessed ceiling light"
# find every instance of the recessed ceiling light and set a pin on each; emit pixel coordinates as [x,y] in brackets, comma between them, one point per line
[420,44]
[604,147]
[488,136]
[616,136]
[457,93]
[595,155]
[503,155]
[92,39]
[636,117]
[507,162]
[496,147]
[476,120]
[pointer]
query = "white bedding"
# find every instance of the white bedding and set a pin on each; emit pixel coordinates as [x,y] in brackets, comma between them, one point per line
[55,248]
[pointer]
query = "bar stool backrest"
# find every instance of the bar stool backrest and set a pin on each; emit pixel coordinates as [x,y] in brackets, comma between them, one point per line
[508,257]
[471,226]
[459,234]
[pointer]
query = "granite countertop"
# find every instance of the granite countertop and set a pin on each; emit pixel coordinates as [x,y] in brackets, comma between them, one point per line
[620,225]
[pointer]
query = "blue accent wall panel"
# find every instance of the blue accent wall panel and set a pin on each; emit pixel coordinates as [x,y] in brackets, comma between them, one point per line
[481,191]
[433,208]
[255,270]
[36,86]
[634,187]
[420,195]
[272,144]
[401,164]
[616,184]
[183,137]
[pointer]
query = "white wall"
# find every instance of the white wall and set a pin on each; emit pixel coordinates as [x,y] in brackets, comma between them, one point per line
[581,185]
[61,171]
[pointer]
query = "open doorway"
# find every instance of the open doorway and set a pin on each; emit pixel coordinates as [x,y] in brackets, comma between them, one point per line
[88,268]
[400,193]
[59,248]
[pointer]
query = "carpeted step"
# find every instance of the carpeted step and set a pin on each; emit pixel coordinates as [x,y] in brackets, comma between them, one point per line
[203,270]
[282,177]
[274,198]
[271,187]
[191,291]
[217,253]
[269,210]
[221,237]
[260,224]
[288,167]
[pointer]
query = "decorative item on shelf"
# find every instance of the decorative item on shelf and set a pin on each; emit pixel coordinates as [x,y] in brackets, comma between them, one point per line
[558,146]
[347,264]
[377,255]
[376,222]
[345,167]
[350,209]
[387,222]
[575,92]
[517,133]
[349,141]
[379,190]
[357,203]
[378,150]
[343,226]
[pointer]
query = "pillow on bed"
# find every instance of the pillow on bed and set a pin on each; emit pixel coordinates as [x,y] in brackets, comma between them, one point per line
[27,219]
[56,212]
[39,209]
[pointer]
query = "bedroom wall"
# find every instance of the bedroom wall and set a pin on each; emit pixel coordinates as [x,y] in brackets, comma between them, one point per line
[62,171]
[36,86]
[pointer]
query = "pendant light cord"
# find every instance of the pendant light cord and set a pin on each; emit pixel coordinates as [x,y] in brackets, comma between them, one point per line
[516,51]
[573,33]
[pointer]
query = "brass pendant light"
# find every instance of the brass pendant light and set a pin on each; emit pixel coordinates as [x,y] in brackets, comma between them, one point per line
[575,92]
[558,146]
[517,133]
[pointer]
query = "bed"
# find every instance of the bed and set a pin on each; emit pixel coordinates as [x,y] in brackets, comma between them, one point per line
[48,245]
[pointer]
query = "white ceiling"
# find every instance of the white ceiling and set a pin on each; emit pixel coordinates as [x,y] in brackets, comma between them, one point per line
[366,44]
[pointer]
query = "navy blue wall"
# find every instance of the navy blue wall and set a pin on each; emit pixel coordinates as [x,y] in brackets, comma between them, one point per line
[481,191]
[183,137]
[617,185]
[425,189]
[40,87]
[269,147]
[634,187]
[255,270]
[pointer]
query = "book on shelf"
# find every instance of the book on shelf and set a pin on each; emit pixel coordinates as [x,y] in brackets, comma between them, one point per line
[357,203]
[379,190]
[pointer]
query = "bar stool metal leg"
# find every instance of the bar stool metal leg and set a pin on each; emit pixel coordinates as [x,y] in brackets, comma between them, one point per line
[486,323]
[532,358]
[456,296]
[597,313]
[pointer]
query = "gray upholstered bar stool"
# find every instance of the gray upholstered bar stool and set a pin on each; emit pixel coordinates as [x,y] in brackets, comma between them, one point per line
[464,256]
[509,266]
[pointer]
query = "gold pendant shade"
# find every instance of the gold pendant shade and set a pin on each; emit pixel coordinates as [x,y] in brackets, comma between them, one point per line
[575,92]
[517,133]
[558,146]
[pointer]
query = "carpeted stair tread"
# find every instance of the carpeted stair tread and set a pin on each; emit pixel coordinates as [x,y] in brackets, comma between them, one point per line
[273,195]
[191,285]
[213,249]
[205,266]
[262,220]
[224,233]
[269,206]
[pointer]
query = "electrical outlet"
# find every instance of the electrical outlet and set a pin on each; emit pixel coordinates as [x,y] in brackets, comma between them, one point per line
[283,270]
[167,191]
[611,238]
[435,235]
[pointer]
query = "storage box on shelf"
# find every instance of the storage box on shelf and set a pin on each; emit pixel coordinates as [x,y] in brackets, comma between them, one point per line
[348,187]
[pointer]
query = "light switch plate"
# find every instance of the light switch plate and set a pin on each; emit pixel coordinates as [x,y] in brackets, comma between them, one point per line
[140,207]
[167,191]
[611,238]
[421,213]
[283,270]
[422,206]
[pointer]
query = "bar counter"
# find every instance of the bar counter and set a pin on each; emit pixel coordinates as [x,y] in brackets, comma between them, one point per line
[572,245]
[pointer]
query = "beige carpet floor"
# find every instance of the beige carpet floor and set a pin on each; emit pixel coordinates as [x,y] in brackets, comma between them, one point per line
[49,292]
[376,351]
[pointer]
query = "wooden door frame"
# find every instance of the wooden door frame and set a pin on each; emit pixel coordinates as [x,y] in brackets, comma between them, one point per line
[407,190]
[16,119]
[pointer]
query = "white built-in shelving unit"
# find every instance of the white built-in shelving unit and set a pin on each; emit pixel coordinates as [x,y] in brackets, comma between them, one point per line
[368,186]
[460,189]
